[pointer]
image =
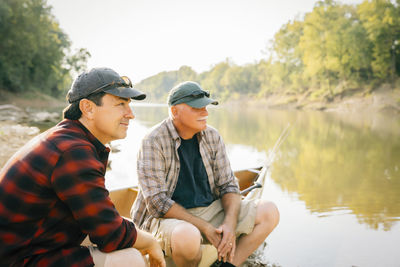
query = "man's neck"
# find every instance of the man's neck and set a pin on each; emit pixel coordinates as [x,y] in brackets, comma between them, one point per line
[88,124]
[183,131]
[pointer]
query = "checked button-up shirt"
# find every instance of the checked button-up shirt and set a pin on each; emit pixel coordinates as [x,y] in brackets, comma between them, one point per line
[158,170]
[52,195]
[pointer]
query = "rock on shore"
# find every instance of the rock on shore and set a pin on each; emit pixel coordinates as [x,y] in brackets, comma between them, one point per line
[12,137]
[14,132]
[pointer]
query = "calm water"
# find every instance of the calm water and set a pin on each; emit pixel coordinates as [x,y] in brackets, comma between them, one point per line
[336,180]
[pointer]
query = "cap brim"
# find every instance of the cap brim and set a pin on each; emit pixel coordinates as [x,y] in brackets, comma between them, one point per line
[127,92]
[201,102]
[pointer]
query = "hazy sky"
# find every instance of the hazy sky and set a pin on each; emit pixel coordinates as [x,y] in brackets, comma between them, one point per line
[140,38]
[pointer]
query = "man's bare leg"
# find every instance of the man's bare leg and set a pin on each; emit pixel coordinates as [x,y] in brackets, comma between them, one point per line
[118,258]
[267,218]
[185,245]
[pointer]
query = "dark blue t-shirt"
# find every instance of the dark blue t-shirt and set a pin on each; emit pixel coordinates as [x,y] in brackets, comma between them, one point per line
[192,189]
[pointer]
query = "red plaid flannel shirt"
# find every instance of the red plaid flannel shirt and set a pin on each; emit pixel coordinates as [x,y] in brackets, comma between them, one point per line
[52,195]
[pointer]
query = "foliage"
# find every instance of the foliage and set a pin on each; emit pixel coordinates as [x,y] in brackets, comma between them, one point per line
[325,54]
[333,49]
[34,51]
[158,86]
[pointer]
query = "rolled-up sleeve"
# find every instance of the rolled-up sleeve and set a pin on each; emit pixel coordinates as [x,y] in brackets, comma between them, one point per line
[225,180]
[151,168]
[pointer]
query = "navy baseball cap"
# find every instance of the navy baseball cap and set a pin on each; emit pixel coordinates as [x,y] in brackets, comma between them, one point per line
[102,79]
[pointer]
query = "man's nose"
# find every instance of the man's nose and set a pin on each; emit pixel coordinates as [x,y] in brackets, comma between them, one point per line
[129,113]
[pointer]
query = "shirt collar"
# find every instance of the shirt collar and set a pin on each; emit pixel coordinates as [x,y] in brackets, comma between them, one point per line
[172,129]
[174,132]
[96,142]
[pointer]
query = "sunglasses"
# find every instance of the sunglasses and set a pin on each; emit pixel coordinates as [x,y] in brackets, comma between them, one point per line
[126,83]
[197,94]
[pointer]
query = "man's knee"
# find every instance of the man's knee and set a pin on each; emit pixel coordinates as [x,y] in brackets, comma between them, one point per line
[130,256]
[267,212]
[124,257]
[186,239]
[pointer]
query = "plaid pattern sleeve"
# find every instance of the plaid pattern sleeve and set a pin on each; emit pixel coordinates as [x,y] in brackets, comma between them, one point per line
[157,169]
[151,169]
[216,162]
[52,195]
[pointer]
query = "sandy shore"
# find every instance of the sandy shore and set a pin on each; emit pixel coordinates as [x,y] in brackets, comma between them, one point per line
[12,137]
[15,129]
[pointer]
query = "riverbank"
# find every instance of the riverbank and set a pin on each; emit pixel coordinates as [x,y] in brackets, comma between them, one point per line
[16,127]
[18,115]
[384,99]
[19,112]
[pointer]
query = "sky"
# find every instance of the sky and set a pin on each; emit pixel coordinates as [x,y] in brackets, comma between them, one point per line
[140,38]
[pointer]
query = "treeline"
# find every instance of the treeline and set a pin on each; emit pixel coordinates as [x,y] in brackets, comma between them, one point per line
[35,53]
[327,53]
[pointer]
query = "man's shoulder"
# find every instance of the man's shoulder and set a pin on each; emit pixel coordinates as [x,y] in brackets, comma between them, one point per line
[211,130]
[65,136]
[211,133]
[158,131]
[50,144]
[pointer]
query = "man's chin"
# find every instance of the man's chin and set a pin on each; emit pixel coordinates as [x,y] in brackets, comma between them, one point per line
[203,127]
[122,135]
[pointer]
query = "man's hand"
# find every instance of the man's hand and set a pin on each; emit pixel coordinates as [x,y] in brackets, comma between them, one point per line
[227,246]
[156,255]
[147,245]
[212,234]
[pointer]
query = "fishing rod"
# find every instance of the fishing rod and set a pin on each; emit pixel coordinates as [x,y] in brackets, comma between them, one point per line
[270,158]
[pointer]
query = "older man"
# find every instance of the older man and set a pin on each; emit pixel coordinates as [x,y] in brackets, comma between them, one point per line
[187,189]
[52,192]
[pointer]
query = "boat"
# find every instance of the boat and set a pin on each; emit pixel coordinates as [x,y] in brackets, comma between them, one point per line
[250,183]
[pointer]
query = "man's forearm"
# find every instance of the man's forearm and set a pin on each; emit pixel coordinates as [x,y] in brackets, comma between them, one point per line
[144,240]
[231,205]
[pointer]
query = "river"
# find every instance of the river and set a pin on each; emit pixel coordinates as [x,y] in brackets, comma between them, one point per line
[335,180]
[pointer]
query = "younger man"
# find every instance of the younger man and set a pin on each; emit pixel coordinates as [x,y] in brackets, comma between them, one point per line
[52,192]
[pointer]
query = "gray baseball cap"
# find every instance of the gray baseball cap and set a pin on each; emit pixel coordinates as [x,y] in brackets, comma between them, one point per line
[190,93]
[102,79]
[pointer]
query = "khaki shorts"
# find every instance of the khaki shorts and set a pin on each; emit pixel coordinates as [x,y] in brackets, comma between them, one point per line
[114,258]
[214,214]
[99,258]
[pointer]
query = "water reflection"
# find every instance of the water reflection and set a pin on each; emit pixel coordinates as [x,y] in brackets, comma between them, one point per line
[335,164]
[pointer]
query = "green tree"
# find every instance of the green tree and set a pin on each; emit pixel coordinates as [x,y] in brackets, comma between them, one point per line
[240,80]
[382,22]
[33,48]
[211,80]
[186,73]
[159,85]
[288,65]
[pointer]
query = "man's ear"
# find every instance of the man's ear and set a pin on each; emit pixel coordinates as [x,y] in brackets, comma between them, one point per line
[87,108]
[174,111]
